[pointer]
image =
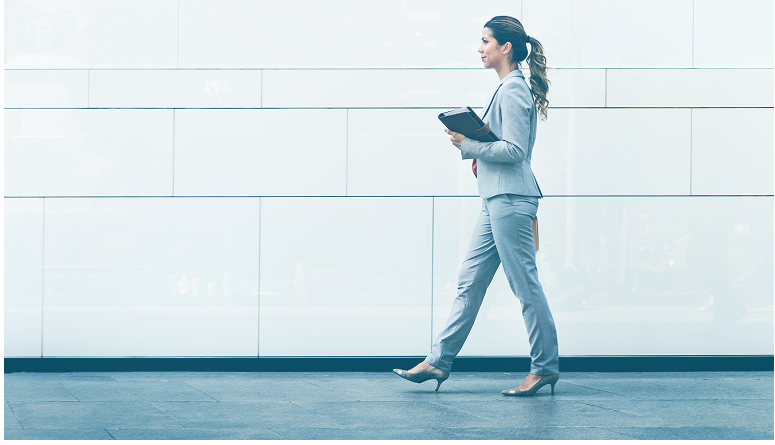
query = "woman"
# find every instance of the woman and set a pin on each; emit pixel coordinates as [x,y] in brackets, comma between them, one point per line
[510,196]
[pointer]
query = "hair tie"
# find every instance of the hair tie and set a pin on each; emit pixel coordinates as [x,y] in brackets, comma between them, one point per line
[528,38]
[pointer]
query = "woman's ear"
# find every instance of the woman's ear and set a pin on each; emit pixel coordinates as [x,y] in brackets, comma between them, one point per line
[506,48]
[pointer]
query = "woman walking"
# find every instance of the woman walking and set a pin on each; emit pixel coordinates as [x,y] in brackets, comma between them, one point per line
[510,196]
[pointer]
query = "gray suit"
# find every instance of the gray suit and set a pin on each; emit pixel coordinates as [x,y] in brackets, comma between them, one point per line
[504,166]
[503,232]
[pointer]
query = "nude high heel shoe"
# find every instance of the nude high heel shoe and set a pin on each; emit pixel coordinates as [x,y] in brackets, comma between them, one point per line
[545,380]
[424,374]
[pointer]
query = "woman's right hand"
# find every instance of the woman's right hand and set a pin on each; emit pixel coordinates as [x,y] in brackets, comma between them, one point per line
[456,138]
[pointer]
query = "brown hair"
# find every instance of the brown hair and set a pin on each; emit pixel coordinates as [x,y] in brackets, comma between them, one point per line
[508,29]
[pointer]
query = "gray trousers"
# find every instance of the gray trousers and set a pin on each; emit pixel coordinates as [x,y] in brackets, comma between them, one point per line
[503,233]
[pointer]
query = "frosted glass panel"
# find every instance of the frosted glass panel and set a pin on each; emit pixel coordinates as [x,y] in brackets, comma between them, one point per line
[88,152]
[613,152]
[345,276]
[612,33]
[575,88]
[404,152]
[690,88]
[260,152]
[737,34]
[175,89]
[91,34]
[22,276]
[417,88]
[46,88]
[151,277]
[342,34]
[377,88]
[732,152]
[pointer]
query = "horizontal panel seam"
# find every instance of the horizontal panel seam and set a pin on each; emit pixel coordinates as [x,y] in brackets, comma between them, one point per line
[382,196]
[380,68]
[656,107]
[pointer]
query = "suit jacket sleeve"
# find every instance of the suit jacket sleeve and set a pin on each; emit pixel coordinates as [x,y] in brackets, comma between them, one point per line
[515,108]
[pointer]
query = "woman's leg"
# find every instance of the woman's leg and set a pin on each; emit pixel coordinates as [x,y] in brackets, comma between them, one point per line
[475,275]
[511,219]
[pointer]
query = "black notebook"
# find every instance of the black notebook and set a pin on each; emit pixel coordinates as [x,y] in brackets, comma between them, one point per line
[467,123]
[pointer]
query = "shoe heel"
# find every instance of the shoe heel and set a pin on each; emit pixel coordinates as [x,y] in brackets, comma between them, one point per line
[552,388]
[440,381]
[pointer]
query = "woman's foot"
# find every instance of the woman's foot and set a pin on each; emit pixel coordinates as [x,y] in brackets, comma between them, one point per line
[424,371]
[532,384]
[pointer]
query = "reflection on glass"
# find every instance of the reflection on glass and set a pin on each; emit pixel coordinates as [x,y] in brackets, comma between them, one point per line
[711,253]
[148,249]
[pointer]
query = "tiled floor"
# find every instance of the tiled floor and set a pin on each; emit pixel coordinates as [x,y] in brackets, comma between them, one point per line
[192,405]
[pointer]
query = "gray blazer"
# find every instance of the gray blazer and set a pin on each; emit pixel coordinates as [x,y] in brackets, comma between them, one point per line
[504,166]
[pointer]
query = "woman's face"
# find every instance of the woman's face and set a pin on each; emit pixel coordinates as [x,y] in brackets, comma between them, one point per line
[491,52]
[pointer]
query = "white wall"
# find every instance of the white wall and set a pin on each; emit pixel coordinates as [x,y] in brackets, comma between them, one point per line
[242,178]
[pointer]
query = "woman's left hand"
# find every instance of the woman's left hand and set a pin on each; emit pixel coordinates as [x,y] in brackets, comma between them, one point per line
[456,138]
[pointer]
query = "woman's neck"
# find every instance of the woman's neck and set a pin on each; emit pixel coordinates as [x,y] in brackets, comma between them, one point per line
[504,69]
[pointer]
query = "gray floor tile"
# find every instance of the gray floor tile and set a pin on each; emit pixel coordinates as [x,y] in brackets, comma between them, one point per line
[766,405]
[501,433]
[354,433]
[214,376]
[151,391]
[56,434]
[37,391]
[264,390]
[410,415]
[386,375]
[706,413]
[398,389]
[494,383]
[724,375]
[488,376]
[195,434]
[344,405]
[489,389]
[712,375]
[521,412]
[210,415]
[181,375]
[91,415]
[10,421]
[535,433]
[680,388]
[59,376]
[400,433]
[695,433]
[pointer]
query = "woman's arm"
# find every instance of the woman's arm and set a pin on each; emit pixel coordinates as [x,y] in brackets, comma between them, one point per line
[515,108]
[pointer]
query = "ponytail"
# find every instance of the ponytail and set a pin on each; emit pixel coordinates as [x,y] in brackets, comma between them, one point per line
[539,83]
[508,29]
